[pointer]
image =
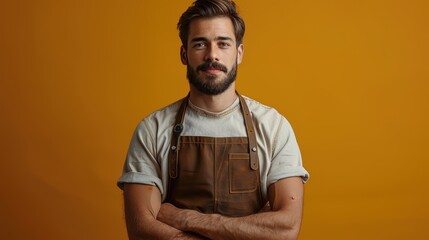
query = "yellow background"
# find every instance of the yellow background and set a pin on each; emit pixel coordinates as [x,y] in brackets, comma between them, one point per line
[351,76]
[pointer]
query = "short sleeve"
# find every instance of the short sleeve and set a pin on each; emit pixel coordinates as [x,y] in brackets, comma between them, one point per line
[141,165]
[286,158]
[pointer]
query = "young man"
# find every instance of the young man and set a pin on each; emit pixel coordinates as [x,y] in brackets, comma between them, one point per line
[207,166]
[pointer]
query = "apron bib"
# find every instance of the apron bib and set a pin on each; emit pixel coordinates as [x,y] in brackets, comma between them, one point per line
[215,174]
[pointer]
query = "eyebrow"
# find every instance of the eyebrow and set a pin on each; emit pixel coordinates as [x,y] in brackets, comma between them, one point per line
[198,39]
[224,39]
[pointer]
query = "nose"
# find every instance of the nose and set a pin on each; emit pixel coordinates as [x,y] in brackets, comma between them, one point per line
[212,53]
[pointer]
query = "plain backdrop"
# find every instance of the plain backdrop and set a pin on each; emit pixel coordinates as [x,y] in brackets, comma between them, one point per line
[78,76]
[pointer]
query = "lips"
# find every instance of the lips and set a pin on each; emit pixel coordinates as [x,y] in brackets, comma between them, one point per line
[212,67]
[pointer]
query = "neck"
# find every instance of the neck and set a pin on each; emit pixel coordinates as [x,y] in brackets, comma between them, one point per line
[216,103]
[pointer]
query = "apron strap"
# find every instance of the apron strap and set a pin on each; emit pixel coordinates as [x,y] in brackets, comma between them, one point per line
[174,147]
[251,135]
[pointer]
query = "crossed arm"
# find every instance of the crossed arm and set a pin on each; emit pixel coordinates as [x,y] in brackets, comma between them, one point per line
[142,205]
[147,218]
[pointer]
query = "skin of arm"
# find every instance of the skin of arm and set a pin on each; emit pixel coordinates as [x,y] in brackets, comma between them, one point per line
[142,204]
[282,222]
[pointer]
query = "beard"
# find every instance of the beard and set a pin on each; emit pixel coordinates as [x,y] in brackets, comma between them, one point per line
[210,86]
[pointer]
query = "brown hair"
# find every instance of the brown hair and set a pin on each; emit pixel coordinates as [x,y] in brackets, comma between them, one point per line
[209,9]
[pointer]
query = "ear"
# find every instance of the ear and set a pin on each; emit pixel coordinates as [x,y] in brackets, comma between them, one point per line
[183,56]
[240,52]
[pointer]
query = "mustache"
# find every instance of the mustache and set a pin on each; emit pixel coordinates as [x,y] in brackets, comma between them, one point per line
[215,65]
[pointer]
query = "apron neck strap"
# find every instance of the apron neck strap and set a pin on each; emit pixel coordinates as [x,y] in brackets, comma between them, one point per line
[250,129]
[177,130]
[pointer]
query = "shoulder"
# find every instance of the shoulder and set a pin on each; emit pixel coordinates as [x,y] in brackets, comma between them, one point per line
[263,113]
[160,119]
[166,112]
[268,120]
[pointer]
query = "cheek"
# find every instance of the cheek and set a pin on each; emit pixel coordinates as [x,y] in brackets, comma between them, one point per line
[233,58]
[231,63]
[192,63]
[193,59]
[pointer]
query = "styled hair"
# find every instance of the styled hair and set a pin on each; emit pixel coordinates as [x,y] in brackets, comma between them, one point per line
[210,9]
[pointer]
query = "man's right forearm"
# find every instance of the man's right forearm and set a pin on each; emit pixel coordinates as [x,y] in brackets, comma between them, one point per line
[158,230]
[154,229]
[141,205]
[178,236]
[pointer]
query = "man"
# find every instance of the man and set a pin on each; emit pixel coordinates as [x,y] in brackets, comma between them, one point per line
[214,165]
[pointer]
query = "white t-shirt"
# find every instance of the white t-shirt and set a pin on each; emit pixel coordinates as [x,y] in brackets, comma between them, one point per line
[278,151]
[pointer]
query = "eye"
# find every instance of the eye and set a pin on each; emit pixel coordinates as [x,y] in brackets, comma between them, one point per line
[224,44]
[199,45]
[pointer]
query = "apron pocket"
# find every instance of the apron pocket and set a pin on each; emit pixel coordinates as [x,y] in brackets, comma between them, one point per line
[242,179]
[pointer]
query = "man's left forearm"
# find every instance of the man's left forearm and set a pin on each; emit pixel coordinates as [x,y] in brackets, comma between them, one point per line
[266,225]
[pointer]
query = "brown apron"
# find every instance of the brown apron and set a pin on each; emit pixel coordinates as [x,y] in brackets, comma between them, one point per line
[215,174]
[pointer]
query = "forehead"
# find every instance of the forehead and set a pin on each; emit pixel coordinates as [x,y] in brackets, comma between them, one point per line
[211,28]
